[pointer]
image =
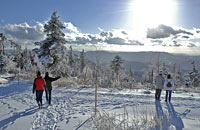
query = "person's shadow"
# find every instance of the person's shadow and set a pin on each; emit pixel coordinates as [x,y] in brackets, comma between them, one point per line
[4,123]
[162,121]
[175,120]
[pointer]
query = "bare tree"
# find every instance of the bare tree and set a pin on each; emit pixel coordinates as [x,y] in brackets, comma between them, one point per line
[158,63]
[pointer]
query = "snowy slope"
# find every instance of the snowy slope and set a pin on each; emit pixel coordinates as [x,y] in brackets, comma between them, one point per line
[72,108]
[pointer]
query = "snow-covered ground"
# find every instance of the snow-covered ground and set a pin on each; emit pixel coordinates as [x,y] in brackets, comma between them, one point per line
[71,109]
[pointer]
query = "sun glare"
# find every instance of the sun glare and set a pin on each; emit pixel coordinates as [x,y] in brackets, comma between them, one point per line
[150,13]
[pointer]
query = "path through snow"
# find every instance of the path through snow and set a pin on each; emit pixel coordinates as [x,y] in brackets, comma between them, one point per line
[72,107]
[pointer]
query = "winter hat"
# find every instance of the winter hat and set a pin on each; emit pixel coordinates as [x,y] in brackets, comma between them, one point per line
[38,73]
[47,74]
[168,76]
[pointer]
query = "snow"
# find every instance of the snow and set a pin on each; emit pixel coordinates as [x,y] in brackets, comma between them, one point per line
[46,59]
[2,80]
[72,108]
[54,44]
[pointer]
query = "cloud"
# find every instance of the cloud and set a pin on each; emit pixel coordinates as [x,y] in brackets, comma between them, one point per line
[116,40]
[167,36]
[191,45]
[23,33]
[115,37]
[163,31]
[70,27]
[162,36]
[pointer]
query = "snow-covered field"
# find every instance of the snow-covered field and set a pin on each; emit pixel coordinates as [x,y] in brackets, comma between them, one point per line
[71,109]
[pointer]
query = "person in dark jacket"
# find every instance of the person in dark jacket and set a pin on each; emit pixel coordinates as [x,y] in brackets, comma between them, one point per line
[39,86]
[48,89]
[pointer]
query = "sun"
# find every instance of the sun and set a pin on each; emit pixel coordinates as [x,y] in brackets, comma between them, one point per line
[150,13]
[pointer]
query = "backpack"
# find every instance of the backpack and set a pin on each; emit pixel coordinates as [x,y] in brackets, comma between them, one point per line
[169,85]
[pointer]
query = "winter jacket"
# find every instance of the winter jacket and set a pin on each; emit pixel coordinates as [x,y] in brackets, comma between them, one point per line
[172,83]
[39,83]
[159,82]
[48,81]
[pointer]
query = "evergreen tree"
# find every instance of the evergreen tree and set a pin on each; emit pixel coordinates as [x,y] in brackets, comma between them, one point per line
[2,56]
[2,40]
[52,49]
[116,65]
[2,62]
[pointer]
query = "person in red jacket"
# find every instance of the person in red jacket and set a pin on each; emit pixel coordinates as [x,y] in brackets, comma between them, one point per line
[39,86]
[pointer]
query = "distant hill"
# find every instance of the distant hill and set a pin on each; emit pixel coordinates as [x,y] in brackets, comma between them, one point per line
[140,61]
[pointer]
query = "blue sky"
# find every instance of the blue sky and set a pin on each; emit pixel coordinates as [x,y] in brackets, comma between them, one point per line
[88,15]
[125,20]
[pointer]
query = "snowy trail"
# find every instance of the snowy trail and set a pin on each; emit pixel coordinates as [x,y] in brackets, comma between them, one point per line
[72,108]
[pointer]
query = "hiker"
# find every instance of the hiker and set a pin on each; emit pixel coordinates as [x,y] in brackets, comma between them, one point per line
[169,87]
[159,82]
[38,86]
[48,89]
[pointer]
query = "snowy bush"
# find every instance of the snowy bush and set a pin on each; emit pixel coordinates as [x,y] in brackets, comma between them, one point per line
[138,119]
[66,82]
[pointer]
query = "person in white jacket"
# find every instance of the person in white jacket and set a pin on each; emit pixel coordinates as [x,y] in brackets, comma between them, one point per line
[159,83]
[169,87]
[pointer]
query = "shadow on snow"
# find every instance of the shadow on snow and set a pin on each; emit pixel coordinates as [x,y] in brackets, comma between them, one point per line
[4,123]
[13,87]
[173,118]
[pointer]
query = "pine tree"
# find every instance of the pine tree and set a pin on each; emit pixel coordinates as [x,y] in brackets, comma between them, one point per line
[2,40]
[2,62]
[52,50]
[116,64]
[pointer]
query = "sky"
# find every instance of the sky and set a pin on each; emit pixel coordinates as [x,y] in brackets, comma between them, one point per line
[122,25]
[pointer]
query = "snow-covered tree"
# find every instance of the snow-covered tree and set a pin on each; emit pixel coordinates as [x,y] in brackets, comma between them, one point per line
[27,60]
[194,68]
[2,40]
[194,76]
[116,67]
[164,69]
[116,64]
[2,56]
[131,74]
[52,52]
[158,63]
[71,57]
[17,54]
[2,62]
[174,68]
[82,60]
